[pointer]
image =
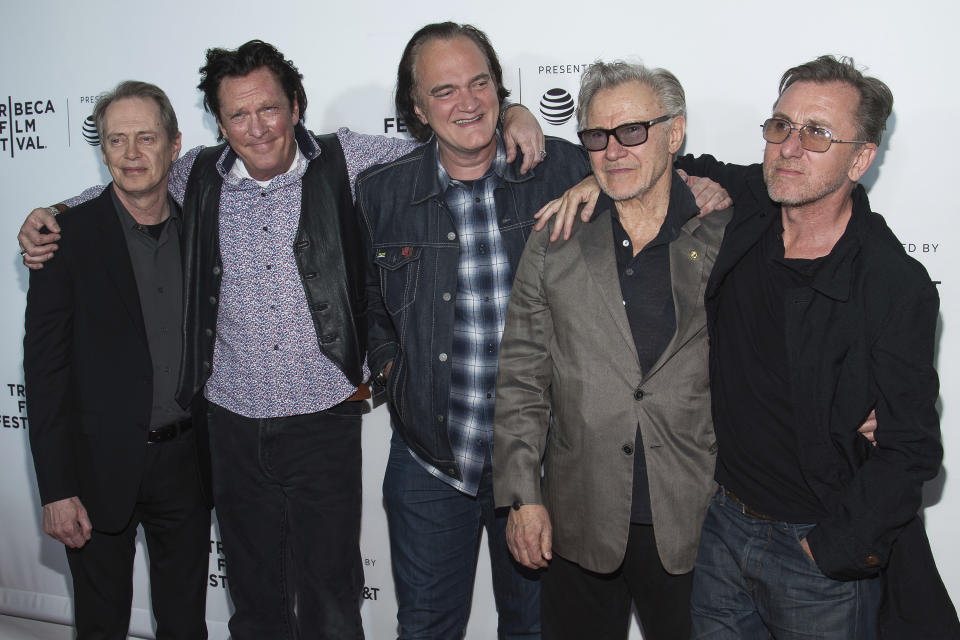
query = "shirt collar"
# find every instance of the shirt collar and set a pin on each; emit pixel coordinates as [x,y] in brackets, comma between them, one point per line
[438,179]
[128,221]
[307,151]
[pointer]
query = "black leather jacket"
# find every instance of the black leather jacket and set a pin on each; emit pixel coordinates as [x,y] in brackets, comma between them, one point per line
[327,248]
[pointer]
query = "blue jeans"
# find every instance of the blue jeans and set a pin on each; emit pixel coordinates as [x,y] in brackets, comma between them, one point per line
[754,580]
[288,498]
[434,541]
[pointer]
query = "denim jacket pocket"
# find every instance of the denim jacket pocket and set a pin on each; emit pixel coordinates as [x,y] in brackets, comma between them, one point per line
[399,275]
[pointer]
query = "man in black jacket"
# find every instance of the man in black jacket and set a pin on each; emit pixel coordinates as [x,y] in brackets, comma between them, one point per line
[816,316]
[104,318]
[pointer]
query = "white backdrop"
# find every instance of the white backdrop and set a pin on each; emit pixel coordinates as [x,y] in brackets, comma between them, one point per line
[57,56]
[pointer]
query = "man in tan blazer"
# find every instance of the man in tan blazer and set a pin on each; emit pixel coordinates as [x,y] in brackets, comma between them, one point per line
[608,333]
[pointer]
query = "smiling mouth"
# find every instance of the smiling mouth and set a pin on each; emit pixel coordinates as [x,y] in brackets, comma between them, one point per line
[468,120]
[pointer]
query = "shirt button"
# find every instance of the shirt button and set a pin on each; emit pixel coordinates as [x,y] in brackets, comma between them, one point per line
[213,300]
[627,449]
[439,418]
[489,348]
[629,272]
[216,270]
[446,297]
[489,395]
[159,289]
[208,332]
[266,228]
[873,560]
[638,394]
[477,200]
[269,267]
[451,236]
[276,347]
[263,194]
[443,357]
[626,243]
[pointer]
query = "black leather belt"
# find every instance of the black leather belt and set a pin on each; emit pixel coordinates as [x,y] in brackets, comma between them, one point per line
[747,511]
[169,431]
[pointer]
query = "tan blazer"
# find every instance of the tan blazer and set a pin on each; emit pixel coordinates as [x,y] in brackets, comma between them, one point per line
[567,338]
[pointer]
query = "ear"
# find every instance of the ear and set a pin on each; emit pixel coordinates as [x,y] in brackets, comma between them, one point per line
[421,116]
[175,147]
[223,130]
[295,110]
[862,161]
[678,129]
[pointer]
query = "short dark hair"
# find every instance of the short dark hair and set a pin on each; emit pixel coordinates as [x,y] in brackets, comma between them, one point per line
[245,59]
[136,89]
[876,99]
[406,98]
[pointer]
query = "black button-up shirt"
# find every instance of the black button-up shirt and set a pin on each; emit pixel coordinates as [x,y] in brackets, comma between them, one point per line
[647,290]
[158,273]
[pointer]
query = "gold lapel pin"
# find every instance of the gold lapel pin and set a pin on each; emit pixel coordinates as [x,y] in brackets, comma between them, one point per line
[694,255]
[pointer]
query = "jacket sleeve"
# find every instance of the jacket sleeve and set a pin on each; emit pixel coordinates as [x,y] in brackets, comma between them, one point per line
[48,372]
[886,491]
[382,342]
[522,413]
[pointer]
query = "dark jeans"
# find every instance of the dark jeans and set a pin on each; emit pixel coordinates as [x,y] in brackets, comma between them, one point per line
[176,526]
[288,500]
[754,580]
[579,604]
[434,541]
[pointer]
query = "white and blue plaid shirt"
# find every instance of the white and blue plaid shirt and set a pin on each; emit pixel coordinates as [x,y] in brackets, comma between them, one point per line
[484,279]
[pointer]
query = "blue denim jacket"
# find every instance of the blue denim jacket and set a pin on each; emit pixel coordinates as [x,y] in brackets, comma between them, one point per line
[413,251]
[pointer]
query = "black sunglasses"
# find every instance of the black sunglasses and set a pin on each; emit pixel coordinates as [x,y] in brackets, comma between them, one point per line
[629,135]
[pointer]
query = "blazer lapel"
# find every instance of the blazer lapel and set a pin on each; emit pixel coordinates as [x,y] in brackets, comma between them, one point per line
[596,246]
[115,257]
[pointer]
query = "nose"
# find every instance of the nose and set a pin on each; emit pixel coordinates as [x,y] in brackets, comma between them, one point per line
[132,150]
[256,126]
[469,101]
[790,148]
[614,150]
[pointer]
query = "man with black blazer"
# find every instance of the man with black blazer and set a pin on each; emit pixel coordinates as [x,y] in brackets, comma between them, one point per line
[111,447]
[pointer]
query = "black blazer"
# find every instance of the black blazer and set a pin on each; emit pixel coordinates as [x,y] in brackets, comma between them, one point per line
[88,370]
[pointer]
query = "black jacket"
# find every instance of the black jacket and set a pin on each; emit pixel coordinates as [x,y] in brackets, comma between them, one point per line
[327,248]
[862,336]
[88,371]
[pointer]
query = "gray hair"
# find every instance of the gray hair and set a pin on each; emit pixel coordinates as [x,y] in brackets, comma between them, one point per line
[136,89]
[606,75]
[876,99]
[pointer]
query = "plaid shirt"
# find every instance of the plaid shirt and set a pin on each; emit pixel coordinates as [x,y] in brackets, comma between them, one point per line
[484,279]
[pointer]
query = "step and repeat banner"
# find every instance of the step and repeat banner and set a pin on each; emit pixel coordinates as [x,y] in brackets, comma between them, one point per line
[57,56]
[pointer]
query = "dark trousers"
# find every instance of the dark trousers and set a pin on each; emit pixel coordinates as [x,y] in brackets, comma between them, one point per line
[288,499]
[176,526]
[579,604]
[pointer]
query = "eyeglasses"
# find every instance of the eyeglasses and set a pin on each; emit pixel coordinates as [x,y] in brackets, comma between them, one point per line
[812,137]
[629,135]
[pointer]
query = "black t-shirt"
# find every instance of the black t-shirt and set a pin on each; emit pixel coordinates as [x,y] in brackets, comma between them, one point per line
[752,399]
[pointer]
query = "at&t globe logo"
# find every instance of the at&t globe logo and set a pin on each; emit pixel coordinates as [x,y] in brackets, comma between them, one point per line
[556,106]
[90,132]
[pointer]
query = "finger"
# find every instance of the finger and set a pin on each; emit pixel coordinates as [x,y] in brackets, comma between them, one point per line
[546,543]
[683,175]
[587,212]
[531,155]
[86,527]
[511,149]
